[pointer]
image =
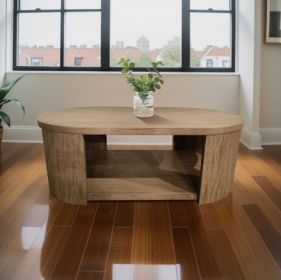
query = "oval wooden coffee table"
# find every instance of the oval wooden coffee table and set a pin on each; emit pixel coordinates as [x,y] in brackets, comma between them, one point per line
[80,168]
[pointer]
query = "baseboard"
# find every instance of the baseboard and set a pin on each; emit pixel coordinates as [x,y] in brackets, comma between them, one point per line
[22,134]
[271,136]
[252,140]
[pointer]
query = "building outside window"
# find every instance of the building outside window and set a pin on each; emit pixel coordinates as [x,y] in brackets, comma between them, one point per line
[209,63]
[186,34]
[78,61]
[225,63]
[36,61]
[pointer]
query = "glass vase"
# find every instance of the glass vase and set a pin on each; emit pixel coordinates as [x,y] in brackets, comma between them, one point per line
[143,105]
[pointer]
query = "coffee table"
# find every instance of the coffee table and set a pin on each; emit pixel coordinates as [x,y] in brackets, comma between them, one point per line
[200,166]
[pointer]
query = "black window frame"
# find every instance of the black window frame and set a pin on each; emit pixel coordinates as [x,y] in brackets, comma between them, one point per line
[105,39]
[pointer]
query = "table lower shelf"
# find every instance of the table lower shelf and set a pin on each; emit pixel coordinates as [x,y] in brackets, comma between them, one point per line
[140,189]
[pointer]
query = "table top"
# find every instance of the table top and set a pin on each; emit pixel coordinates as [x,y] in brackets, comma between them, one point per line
[121,121]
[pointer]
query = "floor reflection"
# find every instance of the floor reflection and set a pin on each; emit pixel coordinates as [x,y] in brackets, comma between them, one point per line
[33,224]
[145,271]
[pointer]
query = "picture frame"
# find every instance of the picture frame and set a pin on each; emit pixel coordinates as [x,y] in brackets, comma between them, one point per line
[273,22]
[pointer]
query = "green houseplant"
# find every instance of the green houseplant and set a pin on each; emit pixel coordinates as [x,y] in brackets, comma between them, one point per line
[143,86]
[4,118]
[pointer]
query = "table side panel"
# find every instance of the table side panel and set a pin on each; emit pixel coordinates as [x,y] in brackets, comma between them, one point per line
[218,166]
[66,165]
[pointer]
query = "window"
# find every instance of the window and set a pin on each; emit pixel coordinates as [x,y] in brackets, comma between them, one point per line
[153,33]
[209,63]
[186,35]
[36,61]
[225,63]
[78,61]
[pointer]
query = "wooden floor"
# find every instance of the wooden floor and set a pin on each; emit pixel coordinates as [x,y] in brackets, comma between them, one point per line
[42,238]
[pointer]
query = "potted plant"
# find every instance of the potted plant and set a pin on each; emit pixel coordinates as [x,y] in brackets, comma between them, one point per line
[4,90]
[143,86]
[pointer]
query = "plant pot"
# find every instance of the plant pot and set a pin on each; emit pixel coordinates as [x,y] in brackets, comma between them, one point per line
[143,105]
[1,133]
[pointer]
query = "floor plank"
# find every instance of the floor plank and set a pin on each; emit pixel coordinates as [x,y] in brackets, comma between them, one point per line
[268,233]
[224,255]
[269,189]
[151,232]
[246,243]
[43,238]
[177,214]
[186,263]
[204,255]
[125,214]
[66,216]
[68,264]
[119,254]
[96,252]
[90,275]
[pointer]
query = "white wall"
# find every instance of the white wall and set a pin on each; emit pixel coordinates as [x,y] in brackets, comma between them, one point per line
[270,117]
[256,95]
[49,91]
[249,51]
[2,39]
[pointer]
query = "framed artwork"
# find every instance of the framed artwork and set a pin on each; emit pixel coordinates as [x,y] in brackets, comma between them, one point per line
[273,22]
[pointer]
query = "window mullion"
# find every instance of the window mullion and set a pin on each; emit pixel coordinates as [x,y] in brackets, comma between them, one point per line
[62,36]
[15,33]
[105,34]
[185,35]
[233,34]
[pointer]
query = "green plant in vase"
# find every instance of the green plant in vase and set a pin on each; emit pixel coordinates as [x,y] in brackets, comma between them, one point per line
[144,85]
[4,117]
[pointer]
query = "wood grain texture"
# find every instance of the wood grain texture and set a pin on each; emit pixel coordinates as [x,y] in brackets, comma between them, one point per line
[185,259]
[269,189]
[113,120]
[118,189]
[152,243]
[90,275]
[246,243]
[97,248]
[269,234]
[83,132]
[120,253]
[75,244]
[66,165]
[125,214]
[235,238]
[177,213]
[207,263]
[218,167]
[225,257]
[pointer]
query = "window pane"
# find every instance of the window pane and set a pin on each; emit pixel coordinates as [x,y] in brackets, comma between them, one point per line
[39,42]
[210,4]
[210,39]
[82,4]
[83,39]
[39,4]
[143,33]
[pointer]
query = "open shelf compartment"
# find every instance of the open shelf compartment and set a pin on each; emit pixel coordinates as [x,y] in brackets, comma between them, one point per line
[141,174]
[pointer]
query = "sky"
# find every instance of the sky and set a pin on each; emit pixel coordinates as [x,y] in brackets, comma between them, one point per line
[158,20]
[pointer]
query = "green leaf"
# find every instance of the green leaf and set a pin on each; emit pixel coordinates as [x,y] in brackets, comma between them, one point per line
[19,104]
[157,86]
[5,118]
[131,65]
[7,87]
